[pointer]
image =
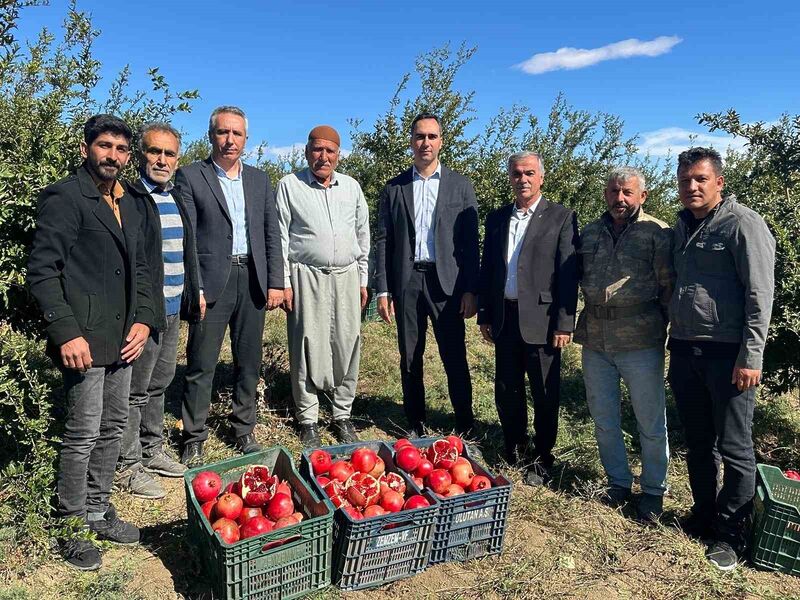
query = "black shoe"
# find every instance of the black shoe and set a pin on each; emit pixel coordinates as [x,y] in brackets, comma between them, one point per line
[415,431]
[114,529]
[192,454]
[650,508]
[80,554]
[309,436]
[537,475]
[699,527]
[722,556]
[344,431]
[247,444]
[615,496]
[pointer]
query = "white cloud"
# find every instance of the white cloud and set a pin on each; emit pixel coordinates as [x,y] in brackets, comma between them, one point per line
[284,151]
[674,140]
[578,58]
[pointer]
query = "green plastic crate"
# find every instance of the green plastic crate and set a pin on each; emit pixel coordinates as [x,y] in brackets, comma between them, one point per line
[247,569]
[370,312]
[776,522]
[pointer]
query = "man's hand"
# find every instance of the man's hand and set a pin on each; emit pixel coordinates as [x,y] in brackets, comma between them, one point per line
[137,338]
[561,339]
[745,378]
[288,299]
[486,332]
[469,305]
[75,354]
[364,296]
[274,298]
[385,308]
[202,306]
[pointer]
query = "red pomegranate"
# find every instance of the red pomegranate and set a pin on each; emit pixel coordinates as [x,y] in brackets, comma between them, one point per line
[249,512]
[453,490]
[418,482]
[258,486]
[354,513]
[283,488]
[206,485]
[229,506]
[442,454]
[363,459]
[298,516]
[439,480]
[335,491]
[416,501]
[376,510]
[479,482]
[234,487]
[401,443]
[322,480]
[362,490]
[285,522]
[320,461]
[341,470]
[208,508]
[457,443]
[392,481]
[379,468]
[227,529]
[423,469]
[391,501]
[407,458]
[280,506]
[462,474]
[256,526]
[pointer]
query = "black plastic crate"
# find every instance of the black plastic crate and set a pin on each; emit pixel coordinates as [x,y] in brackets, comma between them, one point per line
[374,551]
[473,524]
[776,522]
[250,569]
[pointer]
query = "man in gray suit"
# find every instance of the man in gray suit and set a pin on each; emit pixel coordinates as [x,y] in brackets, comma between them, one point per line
[232,209]
[427,267]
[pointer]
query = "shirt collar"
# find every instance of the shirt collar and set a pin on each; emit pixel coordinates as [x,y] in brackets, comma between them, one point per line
[150,186]
[437,173]
[313,180]
[530,209]
[221,172]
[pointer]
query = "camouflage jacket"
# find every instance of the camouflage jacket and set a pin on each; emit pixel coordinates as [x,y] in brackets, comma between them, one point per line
[626,285]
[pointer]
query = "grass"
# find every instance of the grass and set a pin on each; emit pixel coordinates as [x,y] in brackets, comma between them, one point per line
[560,542]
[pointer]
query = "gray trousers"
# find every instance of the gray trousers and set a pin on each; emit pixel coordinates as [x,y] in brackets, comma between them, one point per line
[151,375]
[324,330]
[97,410]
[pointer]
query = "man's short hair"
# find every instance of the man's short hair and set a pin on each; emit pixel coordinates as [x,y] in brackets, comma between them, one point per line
[233,110]
[157,126]
[422,116]
[622,174]
[520,156]
[100,124]
[689,157]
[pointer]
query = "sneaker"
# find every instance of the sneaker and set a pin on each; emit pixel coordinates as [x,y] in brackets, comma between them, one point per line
[309,436]
[138,483]
[192,454]
[722,556]
[650,508]
[80,554]
[247,444]
[163,464]
[110,527]
[344,431]
[615,496]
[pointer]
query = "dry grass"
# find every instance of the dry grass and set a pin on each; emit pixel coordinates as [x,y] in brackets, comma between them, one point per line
[560,543]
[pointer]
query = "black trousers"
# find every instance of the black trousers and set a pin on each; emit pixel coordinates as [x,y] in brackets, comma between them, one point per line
[717,422]
[424,298]
[514,358]
[240,306]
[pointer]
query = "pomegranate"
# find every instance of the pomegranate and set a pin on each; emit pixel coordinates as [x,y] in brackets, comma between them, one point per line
[379,469]
[461,461]
[391,501]
[280,506]
[363,459]
[341,471]
[285,522]
[283,488]
[401,443]
[462,474]
[322,480]
[320,461]
[298,516]
[206,485]
[423,469]
[256,526]
[453,490]
[229,506]
[335,491]
[376,510]
[354,513]
[790,474]
[227,529]
[257,485]
[362,490]
[457,443]
[416,501]
[418,482]
[407,458]
[442,454]
[249,512]
[479,482]
[392,481]
[439,480]
[208,508]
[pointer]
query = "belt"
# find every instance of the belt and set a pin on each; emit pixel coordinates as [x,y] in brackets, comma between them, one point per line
[424,266]
[240,259]
[611,313]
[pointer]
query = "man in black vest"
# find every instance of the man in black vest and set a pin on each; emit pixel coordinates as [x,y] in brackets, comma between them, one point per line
[526,307]
[88,272]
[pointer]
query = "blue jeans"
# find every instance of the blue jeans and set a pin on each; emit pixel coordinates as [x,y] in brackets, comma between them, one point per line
[97,409]
[151,375]
[643,373]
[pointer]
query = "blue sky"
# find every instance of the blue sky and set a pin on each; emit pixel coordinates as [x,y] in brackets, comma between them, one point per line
[292,65]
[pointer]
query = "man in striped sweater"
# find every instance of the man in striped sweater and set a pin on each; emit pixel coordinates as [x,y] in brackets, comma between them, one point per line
[170,248]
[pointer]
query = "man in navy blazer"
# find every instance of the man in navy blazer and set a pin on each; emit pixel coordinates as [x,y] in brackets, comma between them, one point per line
[526,308]
[427,263]
[234,215]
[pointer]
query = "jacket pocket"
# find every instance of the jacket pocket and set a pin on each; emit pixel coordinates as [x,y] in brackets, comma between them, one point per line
[704,309]
[713,257]
[93,311]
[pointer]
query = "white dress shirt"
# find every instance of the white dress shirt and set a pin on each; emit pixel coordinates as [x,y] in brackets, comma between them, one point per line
[518,225]
[426,192]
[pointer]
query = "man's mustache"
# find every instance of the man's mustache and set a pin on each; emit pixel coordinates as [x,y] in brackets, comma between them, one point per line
[110,163]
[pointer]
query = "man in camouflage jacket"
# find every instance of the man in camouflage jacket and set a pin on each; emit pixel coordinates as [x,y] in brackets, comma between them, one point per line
[627,280]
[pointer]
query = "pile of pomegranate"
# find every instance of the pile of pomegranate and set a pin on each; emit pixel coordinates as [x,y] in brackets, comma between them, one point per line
[257,503]
[361,486]
[441,467]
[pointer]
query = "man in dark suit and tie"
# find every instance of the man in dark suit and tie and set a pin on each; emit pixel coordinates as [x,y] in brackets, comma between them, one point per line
[527,298]
[427,267]
[233,212]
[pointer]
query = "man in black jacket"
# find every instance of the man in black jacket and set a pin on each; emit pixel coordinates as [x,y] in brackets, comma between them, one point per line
[526,308]
[88,272]
[172,257]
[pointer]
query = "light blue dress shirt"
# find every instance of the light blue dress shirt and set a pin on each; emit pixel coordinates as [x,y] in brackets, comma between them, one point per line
[426,191]
[517,227]
[233,190]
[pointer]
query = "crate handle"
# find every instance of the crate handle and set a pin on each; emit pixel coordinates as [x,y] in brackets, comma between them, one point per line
[475,503]
[391,526]
[280,543]
[760,491]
